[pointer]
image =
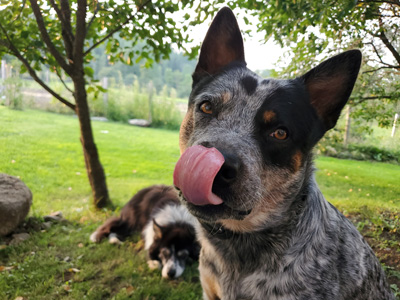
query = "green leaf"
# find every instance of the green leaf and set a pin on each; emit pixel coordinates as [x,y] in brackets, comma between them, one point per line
[89,72]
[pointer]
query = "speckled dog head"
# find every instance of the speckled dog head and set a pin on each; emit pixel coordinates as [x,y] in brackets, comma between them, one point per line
[265,128]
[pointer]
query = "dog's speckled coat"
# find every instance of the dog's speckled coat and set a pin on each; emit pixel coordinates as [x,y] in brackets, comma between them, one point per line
[275,236]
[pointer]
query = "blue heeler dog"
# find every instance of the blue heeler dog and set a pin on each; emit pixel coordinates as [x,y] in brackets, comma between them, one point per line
[246,173]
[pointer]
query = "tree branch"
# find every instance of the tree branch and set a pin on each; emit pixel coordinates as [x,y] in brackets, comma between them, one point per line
[363,99]
[63,82]
[380,68]
[116,29]
[46,38]
[9,45]
[93,17]
[376,51]
[388,66]
[66,31]
[80,33]
[394,2]
[20,12]
[66,12]
[387,43]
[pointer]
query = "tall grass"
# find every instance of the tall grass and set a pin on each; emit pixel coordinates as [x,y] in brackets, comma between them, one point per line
[125,103]
[120,103]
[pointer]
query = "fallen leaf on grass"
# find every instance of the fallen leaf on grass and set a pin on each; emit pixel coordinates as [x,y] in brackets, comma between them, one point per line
[67,288]
[74,270]
[138,246]
[84,219]
[129,290]
[3,268]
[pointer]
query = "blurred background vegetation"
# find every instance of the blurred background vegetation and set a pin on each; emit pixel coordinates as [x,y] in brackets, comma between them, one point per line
[160,93]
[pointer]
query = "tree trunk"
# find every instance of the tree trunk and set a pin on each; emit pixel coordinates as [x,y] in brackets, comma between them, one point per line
[94,168]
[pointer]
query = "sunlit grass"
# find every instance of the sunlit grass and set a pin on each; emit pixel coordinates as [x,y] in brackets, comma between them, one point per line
[44,150]
[351,184]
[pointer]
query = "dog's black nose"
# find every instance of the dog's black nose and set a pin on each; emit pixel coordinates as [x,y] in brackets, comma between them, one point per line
[229,170]
[171,273]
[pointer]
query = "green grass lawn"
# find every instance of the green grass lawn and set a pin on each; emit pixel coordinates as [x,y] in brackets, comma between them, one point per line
[43,149]
[351,185]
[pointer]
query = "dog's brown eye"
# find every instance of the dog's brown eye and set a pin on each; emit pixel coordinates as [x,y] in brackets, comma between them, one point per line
[183,254]
[280,134]
[206,107]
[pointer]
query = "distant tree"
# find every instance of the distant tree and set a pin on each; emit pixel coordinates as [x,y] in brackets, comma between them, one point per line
[319,28]
[176,71]
[62,35]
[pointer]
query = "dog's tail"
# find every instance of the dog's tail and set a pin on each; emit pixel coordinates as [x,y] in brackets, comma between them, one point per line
[114,228]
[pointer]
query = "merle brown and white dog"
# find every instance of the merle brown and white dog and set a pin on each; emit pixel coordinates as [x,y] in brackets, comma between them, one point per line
[167,228]
[246,173]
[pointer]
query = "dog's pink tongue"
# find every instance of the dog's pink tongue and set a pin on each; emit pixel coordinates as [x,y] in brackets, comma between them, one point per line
[195,172]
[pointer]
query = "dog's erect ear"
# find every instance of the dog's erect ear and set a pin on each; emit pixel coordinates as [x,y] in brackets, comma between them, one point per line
[330,84]
[222,45]
[158,230]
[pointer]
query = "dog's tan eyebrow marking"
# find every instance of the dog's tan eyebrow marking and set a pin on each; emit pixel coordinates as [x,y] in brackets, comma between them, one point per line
[269,116]
[296,159]
[225,97]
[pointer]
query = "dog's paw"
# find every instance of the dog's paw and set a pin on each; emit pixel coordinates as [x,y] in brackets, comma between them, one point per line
[113,239]
[153,264]
[93,237]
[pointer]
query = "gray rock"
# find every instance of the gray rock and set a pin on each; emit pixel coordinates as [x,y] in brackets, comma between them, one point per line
[15,202]
[19,238]
[46,225]
[139,122]
[54,217]
[101,119]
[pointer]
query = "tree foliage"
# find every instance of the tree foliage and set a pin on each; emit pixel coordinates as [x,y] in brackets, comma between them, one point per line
[174,72]
[62,34]
[316,29]
[21,33]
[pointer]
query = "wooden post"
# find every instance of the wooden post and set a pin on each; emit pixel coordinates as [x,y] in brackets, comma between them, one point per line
[3,69]
[396,117]
[104,83]
[347,126]
[3,75]
[150,89]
